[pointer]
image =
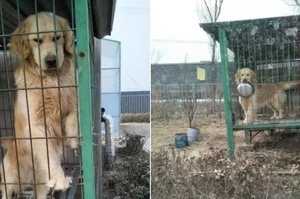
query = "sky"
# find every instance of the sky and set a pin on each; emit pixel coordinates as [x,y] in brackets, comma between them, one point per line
[176,36]
[169,30]
[132,29]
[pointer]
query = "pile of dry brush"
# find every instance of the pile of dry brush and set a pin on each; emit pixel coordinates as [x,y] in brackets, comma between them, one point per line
[248,175]
[130,176]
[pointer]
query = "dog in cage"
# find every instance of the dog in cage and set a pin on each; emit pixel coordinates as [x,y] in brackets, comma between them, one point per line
[266,94]
[45,109]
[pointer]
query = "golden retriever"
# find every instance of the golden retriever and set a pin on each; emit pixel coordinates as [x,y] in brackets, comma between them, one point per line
[45,111]
[270,94]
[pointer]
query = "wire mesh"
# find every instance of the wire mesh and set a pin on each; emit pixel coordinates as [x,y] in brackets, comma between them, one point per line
[271,51]
[168,100]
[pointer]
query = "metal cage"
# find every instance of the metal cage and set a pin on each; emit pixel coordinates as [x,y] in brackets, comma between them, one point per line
[270,48]
[86,19]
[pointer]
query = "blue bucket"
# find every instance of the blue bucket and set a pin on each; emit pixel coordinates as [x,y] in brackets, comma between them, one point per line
[181,140]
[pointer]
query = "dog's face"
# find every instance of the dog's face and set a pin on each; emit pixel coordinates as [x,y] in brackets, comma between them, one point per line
[47,48]
[48,42]
[245,75]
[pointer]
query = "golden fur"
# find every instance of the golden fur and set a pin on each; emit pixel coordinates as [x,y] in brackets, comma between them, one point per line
[270,94]
[41,113]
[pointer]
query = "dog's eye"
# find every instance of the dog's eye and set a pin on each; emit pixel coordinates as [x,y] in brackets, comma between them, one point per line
[56,38]
[242,74]
[247,75]
[38,40]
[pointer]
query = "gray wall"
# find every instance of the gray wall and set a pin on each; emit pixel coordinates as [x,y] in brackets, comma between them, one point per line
[184,73]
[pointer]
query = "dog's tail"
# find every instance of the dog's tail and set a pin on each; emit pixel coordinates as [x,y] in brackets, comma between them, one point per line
[5,142]
[290,84]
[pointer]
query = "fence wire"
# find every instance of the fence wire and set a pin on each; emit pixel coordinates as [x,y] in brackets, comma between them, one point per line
[171,100]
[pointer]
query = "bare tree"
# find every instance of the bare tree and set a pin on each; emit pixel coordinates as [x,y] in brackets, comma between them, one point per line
[293,3]
[208,12]
[156,55]
[189,107]
[189,102]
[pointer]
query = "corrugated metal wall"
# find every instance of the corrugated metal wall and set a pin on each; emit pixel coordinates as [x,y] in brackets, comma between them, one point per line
[135,102]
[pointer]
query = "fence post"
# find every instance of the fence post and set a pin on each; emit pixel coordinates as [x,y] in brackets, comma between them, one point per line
[85,95]
[226,88]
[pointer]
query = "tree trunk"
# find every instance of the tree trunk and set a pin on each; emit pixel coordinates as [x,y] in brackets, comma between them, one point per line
[214,73]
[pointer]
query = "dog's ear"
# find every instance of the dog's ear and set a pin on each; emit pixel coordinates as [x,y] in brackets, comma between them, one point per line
[19,41]
[237,77]
[253,77]
[68,35]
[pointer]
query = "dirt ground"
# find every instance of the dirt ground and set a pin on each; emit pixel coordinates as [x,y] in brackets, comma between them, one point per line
[213,133]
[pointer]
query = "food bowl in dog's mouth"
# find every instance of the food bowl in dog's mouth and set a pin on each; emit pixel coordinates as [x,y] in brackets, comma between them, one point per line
[245,89]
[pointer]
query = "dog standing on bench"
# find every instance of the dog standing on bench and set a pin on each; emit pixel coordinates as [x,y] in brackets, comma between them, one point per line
[266,94]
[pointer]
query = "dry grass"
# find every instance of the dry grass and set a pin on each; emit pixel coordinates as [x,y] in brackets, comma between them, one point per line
[202,170]
[212,129]
[213,175]
[162,133]
[135,118]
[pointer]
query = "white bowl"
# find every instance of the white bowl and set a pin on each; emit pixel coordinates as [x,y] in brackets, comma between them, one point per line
[245,89]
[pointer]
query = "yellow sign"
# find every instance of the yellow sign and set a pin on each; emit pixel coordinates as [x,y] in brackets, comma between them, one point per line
[200,74]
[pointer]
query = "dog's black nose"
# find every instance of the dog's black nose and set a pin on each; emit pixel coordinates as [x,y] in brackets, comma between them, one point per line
[51,61]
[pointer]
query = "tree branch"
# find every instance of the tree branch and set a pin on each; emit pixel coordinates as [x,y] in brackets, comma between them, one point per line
[219,8]
[209,12]
[295,3]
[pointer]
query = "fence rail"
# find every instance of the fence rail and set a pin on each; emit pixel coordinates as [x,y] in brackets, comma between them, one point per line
[135,102]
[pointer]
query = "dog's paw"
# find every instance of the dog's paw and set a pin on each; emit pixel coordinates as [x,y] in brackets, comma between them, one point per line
[60,183]
[247,121]
[72,142]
